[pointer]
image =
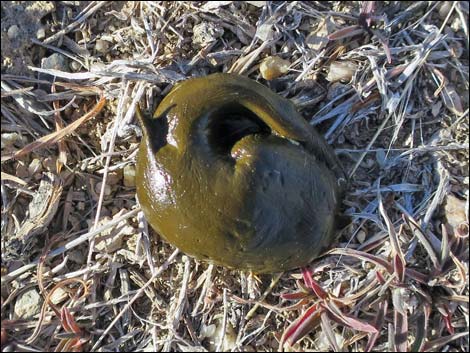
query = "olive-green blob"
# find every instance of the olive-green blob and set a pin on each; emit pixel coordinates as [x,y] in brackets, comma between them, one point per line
[229,172]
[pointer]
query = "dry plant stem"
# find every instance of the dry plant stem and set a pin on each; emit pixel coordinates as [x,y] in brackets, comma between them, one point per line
[274,308]
[454,4]
[353,235]
[55,136]
[243,63]
[125,288]
[40,279]
[394,241]
[463,22]
[13,92]
[26,102]
[268,290]
[70,245]
[205,288]
[59,124]
[401,187]
[92,269]
[328,330]
[76,23]
[143,228]
[224,322]
[174,318]
[255,332]
[162,268]
[105,175]
[58,50]
[310,66]
[372,141]
[155,338]
[441,191]
[6,176]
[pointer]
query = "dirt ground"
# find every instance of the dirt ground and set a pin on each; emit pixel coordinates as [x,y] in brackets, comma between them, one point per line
[385,83]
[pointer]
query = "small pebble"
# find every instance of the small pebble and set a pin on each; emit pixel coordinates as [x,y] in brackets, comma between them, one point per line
[28,304]
[10,139]
[56,62]
[229,337]
[75,66]
[21,170]
[273,66]
[107,189]
[257,3]
[49,163]
[102,46]
[318,39]
[69,13]
[456,24]
[77,256]
[13,32]
[341,71]
[444,9]
[455,212]
[361,236]
[129,176]
[114,177]
[207,330]
[206,32]
[41,33]
[111,240]
[58,296]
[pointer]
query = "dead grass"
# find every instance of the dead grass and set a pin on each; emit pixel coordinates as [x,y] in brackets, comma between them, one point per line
[396,280]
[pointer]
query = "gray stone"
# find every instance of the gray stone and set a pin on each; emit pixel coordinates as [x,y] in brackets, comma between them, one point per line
[13,32]
[206,32]
[28,304]
[75,66]
[41,33]
[102,46]
[56,61]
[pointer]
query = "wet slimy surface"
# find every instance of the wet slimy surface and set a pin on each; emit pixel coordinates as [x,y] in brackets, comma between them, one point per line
[229,172]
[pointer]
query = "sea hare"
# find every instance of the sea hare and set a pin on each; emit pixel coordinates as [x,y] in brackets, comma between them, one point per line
[229,172]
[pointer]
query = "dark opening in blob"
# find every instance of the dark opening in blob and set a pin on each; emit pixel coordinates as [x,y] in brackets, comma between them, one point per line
[230,123]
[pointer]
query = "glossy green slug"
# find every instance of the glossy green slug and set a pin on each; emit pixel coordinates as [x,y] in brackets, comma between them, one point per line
[229,172]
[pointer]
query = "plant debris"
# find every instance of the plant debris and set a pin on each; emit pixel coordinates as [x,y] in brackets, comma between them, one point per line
[386,83]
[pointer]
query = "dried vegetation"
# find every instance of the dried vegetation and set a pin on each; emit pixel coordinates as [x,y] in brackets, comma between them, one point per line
[387,85]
